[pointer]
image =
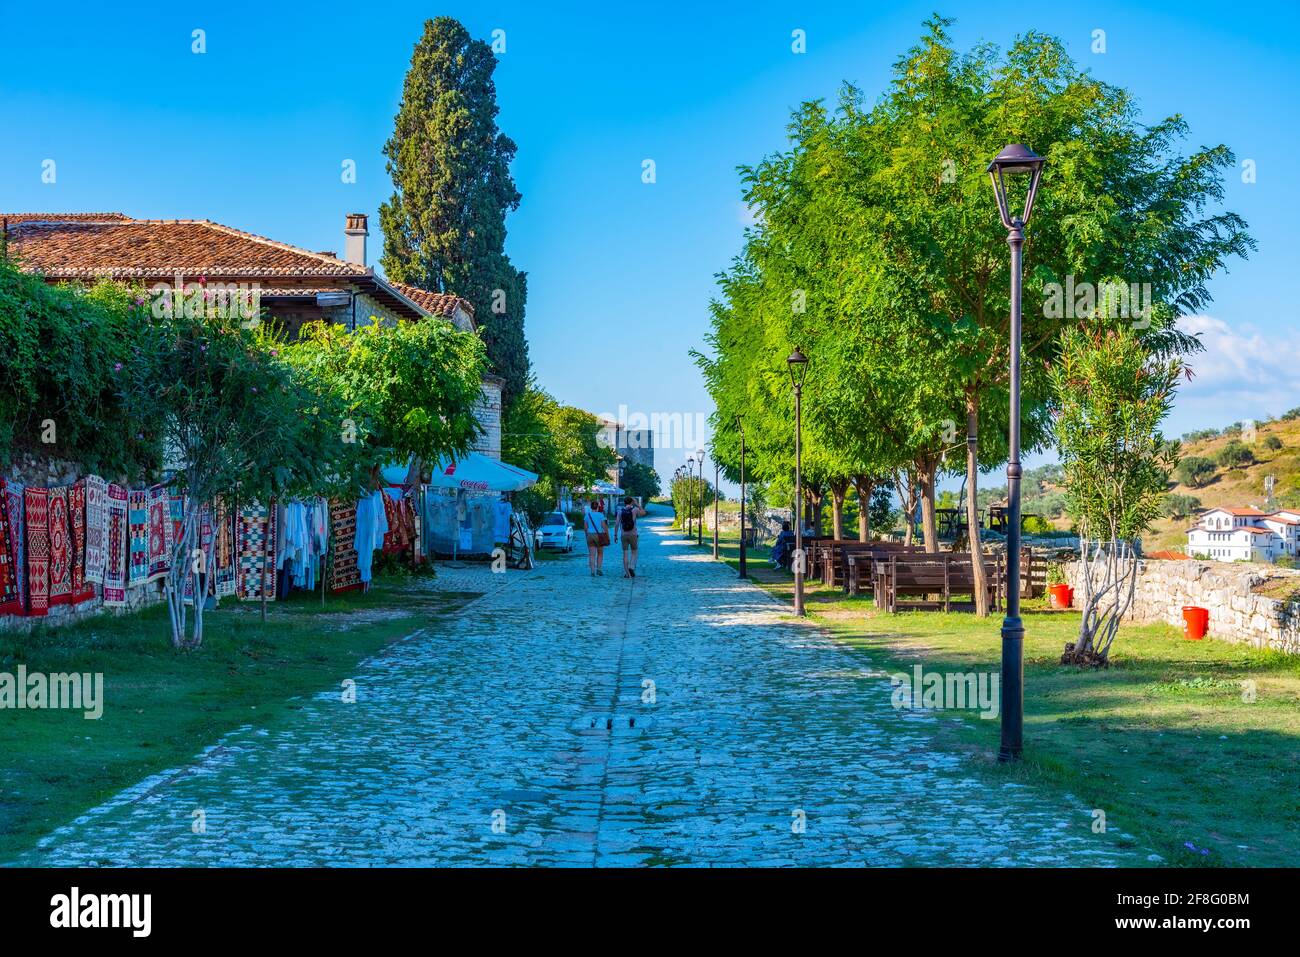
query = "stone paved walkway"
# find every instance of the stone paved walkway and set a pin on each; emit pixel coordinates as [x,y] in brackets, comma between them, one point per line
[522,732]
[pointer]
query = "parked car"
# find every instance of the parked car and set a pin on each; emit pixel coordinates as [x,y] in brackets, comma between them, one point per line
[554,531]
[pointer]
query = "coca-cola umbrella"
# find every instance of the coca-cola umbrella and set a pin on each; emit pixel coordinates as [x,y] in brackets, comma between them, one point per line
[475,472]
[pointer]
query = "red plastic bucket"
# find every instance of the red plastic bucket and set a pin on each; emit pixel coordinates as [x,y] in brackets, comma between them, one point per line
[1195,622]
[1060,595]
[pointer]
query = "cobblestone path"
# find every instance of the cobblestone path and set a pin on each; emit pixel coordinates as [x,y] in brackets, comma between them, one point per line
[680,718]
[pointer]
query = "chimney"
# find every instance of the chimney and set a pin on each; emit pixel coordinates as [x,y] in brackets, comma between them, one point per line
[354,238]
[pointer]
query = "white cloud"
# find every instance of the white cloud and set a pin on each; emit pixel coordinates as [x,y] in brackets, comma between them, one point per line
[1241,374]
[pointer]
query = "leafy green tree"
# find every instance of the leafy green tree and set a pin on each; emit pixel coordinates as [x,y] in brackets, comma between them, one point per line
[689,494]
[1111,394]
[1180,506]
[445,225]
[237,422]
[880,221]
[1235,455]
[61,352]
[1272,443]
[640,480]
[408,390]
[1195,471]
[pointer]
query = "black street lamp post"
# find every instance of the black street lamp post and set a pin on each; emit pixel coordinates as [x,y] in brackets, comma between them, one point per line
[1014,160]
[716,467]
[690,495]
[798,365]
[740,427]
[699,526]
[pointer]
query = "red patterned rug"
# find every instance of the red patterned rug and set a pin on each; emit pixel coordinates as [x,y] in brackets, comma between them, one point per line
[160,533]
[82,590]
[116,546]
[11,599]
[36,505]
[60,548]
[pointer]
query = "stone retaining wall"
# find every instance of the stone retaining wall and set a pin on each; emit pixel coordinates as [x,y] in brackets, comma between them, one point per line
[1237,614]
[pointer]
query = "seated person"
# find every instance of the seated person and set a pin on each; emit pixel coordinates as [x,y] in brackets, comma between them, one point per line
[783,548]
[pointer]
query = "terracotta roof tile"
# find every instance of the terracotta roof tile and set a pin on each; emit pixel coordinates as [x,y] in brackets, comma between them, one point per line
[438,303]
[74,246]
[15,218]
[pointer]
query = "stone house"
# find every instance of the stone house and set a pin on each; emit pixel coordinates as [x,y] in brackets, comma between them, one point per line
[1245,534]
[292,285]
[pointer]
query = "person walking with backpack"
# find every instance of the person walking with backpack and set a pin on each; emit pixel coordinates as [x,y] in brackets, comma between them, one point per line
[627,516]
[596,526]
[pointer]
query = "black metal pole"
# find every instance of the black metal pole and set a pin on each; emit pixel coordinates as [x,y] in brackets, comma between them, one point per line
[743,572]
[798,499]
[690,509]
[699,527]
[715,509]
[1013,629]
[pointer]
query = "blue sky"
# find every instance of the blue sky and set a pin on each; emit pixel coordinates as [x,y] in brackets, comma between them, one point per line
[253,134]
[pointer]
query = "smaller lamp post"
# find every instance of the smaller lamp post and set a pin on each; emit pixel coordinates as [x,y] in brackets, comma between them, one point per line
[798,365]
[690,494]
[716,467]
[699,526]
[740,427]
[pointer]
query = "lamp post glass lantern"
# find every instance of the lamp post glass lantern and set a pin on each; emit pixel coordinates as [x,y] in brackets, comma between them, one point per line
[1013,162]
[797,363]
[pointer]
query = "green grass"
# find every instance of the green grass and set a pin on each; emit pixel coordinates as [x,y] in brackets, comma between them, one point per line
[1164,741]
[164,706]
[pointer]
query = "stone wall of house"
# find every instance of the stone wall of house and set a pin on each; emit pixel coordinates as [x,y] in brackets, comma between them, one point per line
[1237,614]
[487,413]
[367,307]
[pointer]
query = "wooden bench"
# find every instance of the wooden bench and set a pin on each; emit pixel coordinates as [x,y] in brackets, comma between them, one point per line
[812,546]
[830,565]
[860,563]
[941,575]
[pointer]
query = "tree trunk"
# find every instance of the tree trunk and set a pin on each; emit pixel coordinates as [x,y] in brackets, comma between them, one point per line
[839,488]
[906,486]
[979,574]
[925,469]
[816,497]
[864,486]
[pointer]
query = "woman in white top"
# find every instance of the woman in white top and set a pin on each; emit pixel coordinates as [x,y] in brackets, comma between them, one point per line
[596,525]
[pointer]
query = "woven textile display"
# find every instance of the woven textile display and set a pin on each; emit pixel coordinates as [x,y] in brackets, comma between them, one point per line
[160,533]
[223,550]
[137,529]
[11,600]
[81,589]
[344,574]
[14,510]
[117,550]
[96,527]
[60,548]
[256,570]
[36,505]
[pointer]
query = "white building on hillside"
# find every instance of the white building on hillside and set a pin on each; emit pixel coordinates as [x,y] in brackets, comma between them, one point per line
[1245,534]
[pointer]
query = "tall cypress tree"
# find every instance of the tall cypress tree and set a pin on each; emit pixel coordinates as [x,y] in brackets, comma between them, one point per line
[444,228]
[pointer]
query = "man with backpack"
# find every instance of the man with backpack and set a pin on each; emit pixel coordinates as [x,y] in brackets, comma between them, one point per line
[627,516]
